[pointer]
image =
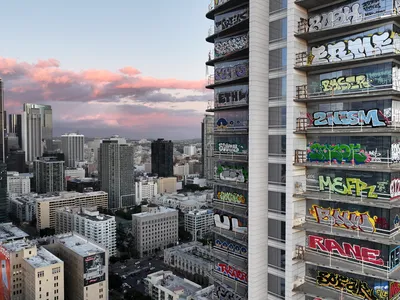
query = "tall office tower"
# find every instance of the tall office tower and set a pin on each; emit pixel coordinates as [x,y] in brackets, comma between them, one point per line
[116,167]
[2,128]
[15,126]
[72,145]
[331,218]
[16,161]
[207,146]
[49,175]
[37,129]
[162,158]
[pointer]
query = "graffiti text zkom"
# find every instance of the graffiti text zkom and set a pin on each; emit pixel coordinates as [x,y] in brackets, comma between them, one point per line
[345,250]
[341,153]
[346,186]
[354,220]
[348,118]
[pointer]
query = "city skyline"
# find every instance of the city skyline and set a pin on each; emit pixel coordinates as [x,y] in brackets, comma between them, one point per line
[114,85]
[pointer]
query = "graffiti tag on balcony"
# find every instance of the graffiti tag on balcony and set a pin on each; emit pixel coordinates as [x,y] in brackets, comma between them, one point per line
[231,197]
[231,247]
[394,290]
[231,148]
[228,173]
[348,118]
[349,49]
[232,44]
[345,83]
[395,189]
[339,153]
[231,272]
[353,220]
[223,294]
[346,186]
[231,72]
[382,290]
[395,152]
[228,20]
[350,285]
[232,97]
[343,15]
[229,223]
[345,250]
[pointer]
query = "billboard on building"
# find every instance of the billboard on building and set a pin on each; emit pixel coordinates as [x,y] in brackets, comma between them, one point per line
[5,274]
[94,268]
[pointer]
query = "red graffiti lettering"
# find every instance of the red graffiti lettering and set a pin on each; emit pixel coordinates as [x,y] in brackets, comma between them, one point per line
[345,250]
[394,289]
[232,272]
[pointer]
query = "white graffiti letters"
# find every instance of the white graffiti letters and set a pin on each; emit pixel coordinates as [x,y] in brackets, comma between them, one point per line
[342,16]
[224,294]
[395,152]
[229,223]
[395,189]
[377,44]
[230,45]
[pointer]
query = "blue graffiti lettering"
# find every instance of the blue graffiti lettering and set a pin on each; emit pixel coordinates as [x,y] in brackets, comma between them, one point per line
[348,118]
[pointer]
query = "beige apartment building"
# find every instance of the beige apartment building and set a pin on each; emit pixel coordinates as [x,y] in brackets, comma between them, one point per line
[28,273]
[166,185]
[86,266]
[155,229]
[46,205]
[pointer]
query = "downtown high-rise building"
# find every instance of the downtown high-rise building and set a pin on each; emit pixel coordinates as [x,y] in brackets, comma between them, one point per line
[49,175]
[207,146]
[306,168]
[37,130]
[72,145]
[15,127]
[162,158]
[116,173]
[3,166]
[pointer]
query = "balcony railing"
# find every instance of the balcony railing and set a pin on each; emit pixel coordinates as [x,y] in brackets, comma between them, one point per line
[304,92]
[303,24]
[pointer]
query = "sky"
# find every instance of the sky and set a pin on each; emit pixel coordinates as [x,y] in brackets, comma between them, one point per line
[128,67]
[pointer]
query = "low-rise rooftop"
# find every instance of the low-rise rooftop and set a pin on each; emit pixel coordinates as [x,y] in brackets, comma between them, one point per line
[10,232]
[79,244]
[154,211]
[43,258]
[18,245]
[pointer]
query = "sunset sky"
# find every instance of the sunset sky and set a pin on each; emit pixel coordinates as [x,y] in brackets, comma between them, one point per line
[127,67]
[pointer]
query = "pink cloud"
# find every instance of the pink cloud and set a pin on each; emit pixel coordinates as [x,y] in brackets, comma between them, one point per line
[129,71]
[51,62]
[99,76]
[149,82]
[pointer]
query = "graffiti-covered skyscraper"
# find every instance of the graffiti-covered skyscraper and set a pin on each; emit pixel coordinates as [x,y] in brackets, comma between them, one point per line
[306,148]
[207,145]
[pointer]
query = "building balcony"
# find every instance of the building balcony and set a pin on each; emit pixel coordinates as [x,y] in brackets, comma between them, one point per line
[212,83]
[303,93]
[326,196]
[305,61]
[231,130]
[239,210]
[215,32]
[231,184]
[346,264]
[230,285]
[304,32]
[235,261]
[238,237]
[214,108]
[311,289]
[382,236]
[304,125]
[315,4]
[237,55]
[218,6]
[230,156]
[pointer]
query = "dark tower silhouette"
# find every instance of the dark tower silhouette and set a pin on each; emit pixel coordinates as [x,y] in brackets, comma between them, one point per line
[162,158]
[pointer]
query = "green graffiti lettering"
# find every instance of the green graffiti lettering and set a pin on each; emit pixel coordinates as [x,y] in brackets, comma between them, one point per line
[340,153]
[345,83]
[346,186]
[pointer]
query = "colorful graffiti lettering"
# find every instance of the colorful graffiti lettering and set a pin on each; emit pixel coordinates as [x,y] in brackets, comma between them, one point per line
[231,247]
[375,155]
[222,293]
[352,286]
[231,148]
[381,186]
[345,83]
[229,223]
[343,15]
[231,44]
[232,272]
[353,48]
[231,197]
[344,219]
[236,96]
[345,250]
[382,223]
[340,153]
[232,72]
[346,186]
[395,189]
[394,290]
[227,173]
[382,291]
[348,118]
